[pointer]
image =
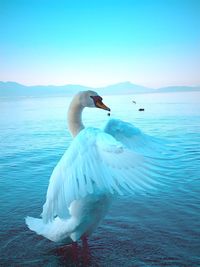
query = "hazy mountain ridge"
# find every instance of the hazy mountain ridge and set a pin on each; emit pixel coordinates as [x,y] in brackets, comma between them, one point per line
[12,89]
[178,89]
[126,88]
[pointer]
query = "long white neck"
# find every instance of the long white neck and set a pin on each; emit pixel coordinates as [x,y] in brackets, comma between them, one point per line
[74,117]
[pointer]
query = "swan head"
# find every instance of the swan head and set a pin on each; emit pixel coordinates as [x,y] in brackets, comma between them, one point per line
[92,100]
[81,100]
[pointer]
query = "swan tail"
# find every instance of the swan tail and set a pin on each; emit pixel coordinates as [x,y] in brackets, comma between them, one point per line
[57,230]
[35,225]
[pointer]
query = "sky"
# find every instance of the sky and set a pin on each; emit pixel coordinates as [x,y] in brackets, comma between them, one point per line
[153,43]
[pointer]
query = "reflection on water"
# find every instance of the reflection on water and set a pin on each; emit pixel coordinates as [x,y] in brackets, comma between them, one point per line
[157,229]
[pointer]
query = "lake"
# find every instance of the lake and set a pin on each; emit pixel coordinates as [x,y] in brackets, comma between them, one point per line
[161,228]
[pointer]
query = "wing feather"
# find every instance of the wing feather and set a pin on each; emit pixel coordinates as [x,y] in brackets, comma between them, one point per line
[98,162]
[134,139]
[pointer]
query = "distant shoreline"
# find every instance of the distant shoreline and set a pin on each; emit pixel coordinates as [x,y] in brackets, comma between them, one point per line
[71,95]
[11,89]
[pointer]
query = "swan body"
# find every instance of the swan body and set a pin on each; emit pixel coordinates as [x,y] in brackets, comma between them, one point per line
[84,216]
[98,165]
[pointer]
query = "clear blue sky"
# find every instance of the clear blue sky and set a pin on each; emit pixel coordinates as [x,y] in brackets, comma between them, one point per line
[98,42]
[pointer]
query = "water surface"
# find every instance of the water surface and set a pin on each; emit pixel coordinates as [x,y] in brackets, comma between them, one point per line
[161,228]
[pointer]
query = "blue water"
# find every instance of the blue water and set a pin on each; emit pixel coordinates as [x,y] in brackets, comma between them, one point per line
[161,228]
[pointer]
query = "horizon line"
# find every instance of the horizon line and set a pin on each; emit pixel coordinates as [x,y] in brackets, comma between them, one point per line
[98,87]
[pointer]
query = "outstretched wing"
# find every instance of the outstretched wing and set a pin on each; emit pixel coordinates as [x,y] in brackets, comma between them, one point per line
[97,163]
[134,139]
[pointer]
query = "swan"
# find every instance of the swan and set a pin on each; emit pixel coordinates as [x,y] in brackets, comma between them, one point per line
[97,166]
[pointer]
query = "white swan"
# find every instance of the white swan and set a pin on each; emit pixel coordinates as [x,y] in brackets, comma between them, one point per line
[97,165]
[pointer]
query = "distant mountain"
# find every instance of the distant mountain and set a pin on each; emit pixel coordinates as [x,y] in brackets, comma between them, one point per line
[171,89]
[125,88]
[12,89]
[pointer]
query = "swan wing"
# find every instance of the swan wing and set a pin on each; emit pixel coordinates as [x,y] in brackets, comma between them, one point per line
[134,139]
[97,163]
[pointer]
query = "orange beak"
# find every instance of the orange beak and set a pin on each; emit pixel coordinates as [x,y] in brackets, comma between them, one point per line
[100,104]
